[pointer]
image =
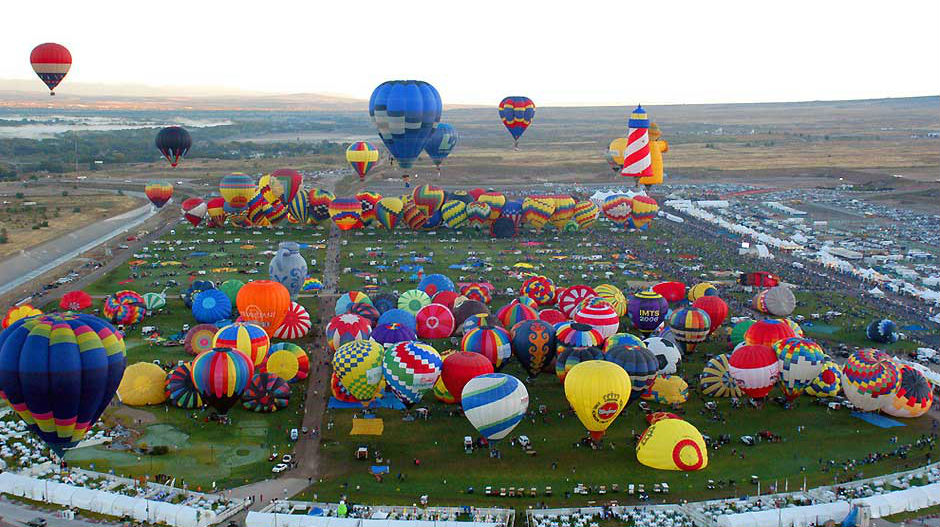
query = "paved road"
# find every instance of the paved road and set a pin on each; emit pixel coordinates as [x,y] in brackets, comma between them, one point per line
[32,263]
[17,513]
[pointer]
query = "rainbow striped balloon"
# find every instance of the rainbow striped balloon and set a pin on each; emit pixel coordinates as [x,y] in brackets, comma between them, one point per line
[493,342]
[221,375]
[636,157]
[387,212]
[689,326]
[362,156]
[411,369]
[585,214]
[250,339]
[576,335]
[346,213]
[536,210]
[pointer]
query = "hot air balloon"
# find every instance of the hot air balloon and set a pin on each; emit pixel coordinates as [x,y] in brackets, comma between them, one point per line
[124,307]
[454,213]
[637,361]
[759,279]
[237,189]
[515,312]
[716,379]
[467,309]
[142,384]
[405,113]
[390,333]
[263,302]
[434,321]
[19,312]
[882,331]
[689,326]
[75,301]
[434,283]
[221,375]
[477,292]
[614,154]
[411,369]
[672,444]
[298,209]
[869,379]
[647,310]
[643,211]
[358,365]
[346,213]
[413,300]
[736,335]
[173,142]
[494,403]
[829,381]
[800,361]
[288,361]
[517,113]
[666,352]
[755,369]
[570,357]
[320,200]
[493,342]
[347,328]
[387,212]
[441,143]
[215,208]
[159,192]
[266,392]
[537,210]
[914,395]
[51,62]
[362,156]
[598,314]
[715,307]
[194,210]
[296,323]
[59,372]
[564,211]
[288,267]
[427,199]
[597,392]
[778,301]
[618,209]
[576,335]
[459,367]
[533,343]
[179,388]
[538,288]
[570,299]
[291,182]
[671,291]
[767,332]
[199,338]
[211,306]
[247,338]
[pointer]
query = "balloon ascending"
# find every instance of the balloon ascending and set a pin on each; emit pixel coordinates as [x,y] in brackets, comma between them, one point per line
[516,112]
[59,372]
[159,192]
[441,143]
[173,142]
[597,391]
[494,403]
[362,156]
[405,112]
[51,62]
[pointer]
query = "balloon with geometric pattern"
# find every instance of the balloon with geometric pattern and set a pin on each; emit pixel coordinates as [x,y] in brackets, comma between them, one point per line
[410,370]
[869,379]
[358,365]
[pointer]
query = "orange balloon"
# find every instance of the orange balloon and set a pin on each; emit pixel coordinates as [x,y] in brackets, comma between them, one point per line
[264,302]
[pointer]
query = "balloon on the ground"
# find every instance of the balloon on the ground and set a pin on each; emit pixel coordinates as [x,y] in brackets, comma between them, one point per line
[614,153]
[19,312]
[647,310]
[637,361]
[598,314]
[179,388]
[142,384]
[716,379]
[399,316]
[671,291]
[618,209]
[666,352]
[613,296]
[477,292]
[575,335]
[636,156]
[245,337]
[672,444]
[800,362]
[369,201]
[755,369]
[494,403]
[537,210]
[829,381]
[358,365]
[411,369]
[264,302]
[434,283]
[288,361]
[289,268]
[296,323]
[434,321]
[221,375]
[351,297]
[777,301]
[211,305]
[75,301]
[320,200]
[571,357]
[194,210]
[346,213]
[569,299]
[644,209]
[124,307]
[388,211]
[736,335]
[454,213]
[346,328]
[441,394]
[215,210]
[533,343]
[702,289]
[266,392]
[715,307]
[597,392]
[459,367]
[237,189]
[882,331]
[467,309]
[914,395]
[199,338]
[869,379]
[51,62]
[515,312]
[666,389]
[767,332]
[493,342]
[413,300]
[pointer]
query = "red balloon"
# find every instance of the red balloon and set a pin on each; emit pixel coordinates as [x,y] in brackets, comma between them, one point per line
[767,332]
[460,367]
[446,298]
[552,316]
[716,308]
[75,301]
[671,291]
[434,321]
[51,62]
[755,369]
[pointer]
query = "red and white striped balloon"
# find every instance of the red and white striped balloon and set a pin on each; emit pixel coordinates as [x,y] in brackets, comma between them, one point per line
[296,323]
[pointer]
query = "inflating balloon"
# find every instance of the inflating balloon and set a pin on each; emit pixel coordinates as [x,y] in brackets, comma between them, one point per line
[358,365]
[494,403]
[180,390]
[672,444]
[221,375]
[266,392]
[142,384]
[870,379]
[459,367]
[597,392]
[245,337]
[264,302]
[755,369]
[287,361]
[411,369]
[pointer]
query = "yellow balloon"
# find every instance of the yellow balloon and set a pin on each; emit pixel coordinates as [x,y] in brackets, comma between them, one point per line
[672,444]
[142,384]
[597,391]
[275,186]
[283,363]
[699,290]
[667,389]
[616,150]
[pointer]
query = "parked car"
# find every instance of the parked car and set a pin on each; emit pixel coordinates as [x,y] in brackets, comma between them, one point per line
[280,467]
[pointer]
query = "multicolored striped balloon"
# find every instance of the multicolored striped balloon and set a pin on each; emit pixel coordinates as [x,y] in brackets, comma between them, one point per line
[516,112]
[428,199]
[869,378]
[180,389]
[250,339]
[493,342]
[716,379]
[570,298]
[800,361]
[298,209]
[537,210]
[369,201]
[539,288]
[387,212]
[266,393]
[585,214]
[411,369]
[221,375]
[346,213]
[564,211]
[319,201]
[689,326]
[296,323]
[362,156]
[643,211]
[454,213]
[124,307]
[613,296]
[494,403]
[575,335]
[570,357]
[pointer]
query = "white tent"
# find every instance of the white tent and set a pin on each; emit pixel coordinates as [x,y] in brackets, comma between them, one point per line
[267,519]
[788,516]
[906,500]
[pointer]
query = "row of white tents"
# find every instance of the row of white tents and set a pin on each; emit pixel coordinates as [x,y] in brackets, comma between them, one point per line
[911,499]
[102,502]
[269,519]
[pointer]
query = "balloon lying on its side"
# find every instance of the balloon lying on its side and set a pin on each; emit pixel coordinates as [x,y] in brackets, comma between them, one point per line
[672,444]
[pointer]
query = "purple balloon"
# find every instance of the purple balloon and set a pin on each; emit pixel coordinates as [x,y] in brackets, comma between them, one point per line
[647,310]
[393,333]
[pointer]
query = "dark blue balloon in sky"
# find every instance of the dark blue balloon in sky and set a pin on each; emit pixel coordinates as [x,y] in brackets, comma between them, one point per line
[441,143]
[405,114]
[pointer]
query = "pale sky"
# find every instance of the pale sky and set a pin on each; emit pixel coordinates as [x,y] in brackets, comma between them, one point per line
[475,52]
